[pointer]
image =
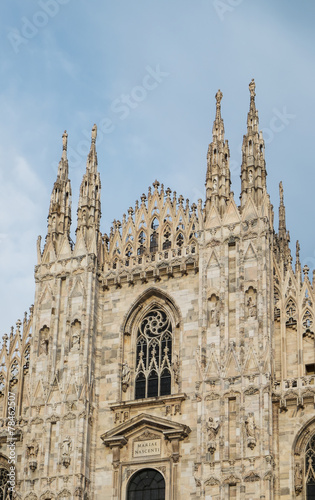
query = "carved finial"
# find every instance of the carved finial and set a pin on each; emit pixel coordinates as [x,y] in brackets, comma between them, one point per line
[281,192]
[64,141]
[252,87]
[218,98]
[5,340]
[297,250]
[94,133]
[156,184]
[18,326]
[306,271]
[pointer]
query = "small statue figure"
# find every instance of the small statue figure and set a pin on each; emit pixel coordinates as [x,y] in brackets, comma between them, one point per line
[31,453]
[65,451]
[250,177]
[298,479]
[64,140]
[125,376]
[43,348]
[76,341]
[175,366]
[212,431]
[214,311]
[66,446]
[215,184]
[250,428]
[250,425]
[32,450]
[251,306]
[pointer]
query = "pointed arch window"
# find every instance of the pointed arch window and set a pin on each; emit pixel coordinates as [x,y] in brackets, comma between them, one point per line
[14,374]
[310,469]
[154,235]
[141,242]
[154,355]
[5,493]
[166,238]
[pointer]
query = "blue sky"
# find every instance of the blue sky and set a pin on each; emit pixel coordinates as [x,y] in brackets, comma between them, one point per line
[66,64]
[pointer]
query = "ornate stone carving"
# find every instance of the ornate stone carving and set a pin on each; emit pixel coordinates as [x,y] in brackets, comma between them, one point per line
[66,449]
[125,376]
[31,453]
[298,479]
[212,431]
[250,428]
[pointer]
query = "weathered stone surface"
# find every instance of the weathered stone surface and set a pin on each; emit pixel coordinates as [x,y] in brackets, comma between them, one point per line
[182,342]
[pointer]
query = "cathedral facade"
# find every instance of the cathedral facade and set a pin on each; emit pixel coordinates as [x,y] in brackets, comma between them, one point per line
[172,359]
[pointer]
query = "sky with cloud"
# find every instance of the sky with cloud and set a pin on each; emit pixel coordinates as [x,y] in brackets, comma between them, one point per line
[146,72]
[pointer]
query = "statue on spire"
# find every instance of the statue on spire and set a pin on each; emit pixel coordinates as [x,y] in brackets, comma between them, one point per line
[64,141]
[281,192]
[94,133]
[252,87]
[218,97]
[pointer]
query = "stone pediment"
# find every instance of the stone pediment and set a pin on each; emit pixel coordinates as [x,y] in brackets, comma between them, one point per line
[147,427]
[171,430]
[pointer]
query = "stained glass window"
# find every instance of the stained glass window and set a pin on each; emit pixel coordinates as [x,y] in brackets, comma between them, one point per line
[154,355]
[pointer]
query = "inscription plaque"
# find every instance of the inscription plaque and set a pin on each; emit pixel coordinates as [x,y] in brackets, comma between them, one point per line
[146,448]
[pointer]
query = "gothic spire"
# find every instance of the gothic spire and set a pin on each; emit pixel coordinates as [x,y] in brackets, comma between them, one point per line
[297,259]
[59,216]
[283,234]
[89,207]
[253,172]
[218,170]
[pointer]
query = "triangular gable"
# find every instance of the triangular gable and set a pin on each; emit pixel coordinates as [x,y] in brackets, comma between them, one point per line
[250,210]
[232,368]
[77,289]
[65,248]
[46,298]
[49,254]
[231,215]
[213,218]
[144,420]
[213,368]
[213,261]
[80,246]
[38,395]
[250,252]
[251,364]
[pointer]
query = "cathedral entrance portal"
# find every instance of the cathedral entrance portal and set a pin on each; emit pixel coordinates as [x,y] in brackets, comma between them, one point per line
[147,484]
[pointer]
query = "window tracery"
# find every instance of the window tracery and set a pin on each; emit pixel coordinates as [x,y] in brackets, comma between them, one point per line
[310,469]
[166,238]
[14,373]
[154,355]
[141,242]
[5,494]
[291,313]
[2,386]
[26,360]
[154,238]
[307,323]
